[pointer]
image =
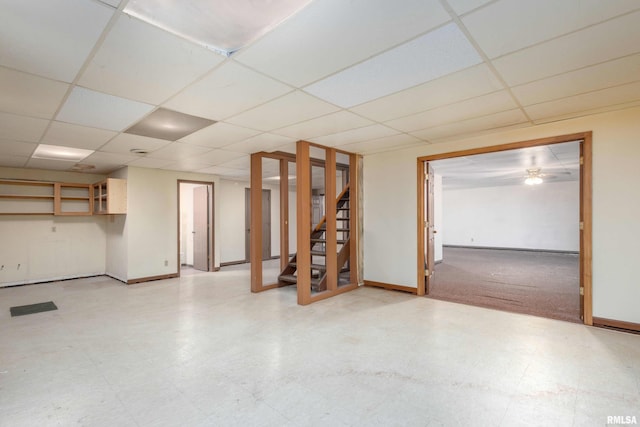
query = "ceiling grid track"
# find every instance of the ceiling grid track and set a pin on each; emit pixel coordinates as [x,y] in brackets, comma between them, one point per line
[484,57]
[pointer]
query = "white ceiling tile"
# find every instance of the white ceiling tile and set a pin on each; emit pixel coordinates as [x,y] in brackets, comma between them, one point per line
[228,90]
[325,125]
[50,38]
[230,158]
[440,52]
[355,135]
[382,144]
[103,169]
[451,88]
[493,121]
[125,142]
[528,23]
[463,6]
[59,165]
[612,39]
[95,109]
[114,3]
[607,74]
[224,171]
[475,107]
[242,162]
[263,142]
[583,113]
[221,25]
[9,161]
[16,148]
[70,135]
[330,35]
[177,151]
[21,128]
[148,162]
[30,95]
[287,110]
[100,158]
[289,148]
[142,62]
[219,135]
[187,165]
[587,101]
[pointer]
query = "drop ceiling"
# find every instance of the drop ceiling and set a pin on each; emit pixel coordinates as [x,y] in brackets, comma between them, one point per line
[555,163]
[366,76]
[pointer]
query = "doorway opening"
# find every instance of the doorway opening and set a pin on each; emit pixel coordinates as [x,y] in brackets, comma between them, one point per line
[195,225]
[509,227]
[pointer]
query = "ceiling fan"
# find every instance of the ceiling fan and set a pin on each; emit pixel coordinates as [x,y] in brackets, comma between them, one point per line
[534,176]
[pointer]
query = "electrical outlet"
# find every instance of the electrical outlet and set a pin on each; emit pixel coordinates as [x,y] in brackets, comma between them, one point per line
[166,263]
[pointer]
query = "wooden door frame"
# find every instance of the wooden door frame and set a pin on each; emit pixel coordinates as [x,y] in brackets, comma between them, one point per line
[586,216]
[211,254]
[255,238]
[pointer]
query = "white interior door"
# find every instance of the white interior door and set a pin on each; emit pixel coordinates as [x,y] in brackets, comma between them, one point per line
[201,228]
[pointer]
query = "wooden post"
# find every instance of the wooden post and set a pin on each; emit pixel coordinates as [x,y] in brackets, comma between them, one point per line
[330,215]
[303,204]
[353,219]
[284,214]
[255,238]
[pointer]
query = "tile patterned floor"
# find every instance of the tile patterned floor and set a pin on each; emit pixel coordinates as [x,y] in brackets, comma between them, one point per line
[203,351]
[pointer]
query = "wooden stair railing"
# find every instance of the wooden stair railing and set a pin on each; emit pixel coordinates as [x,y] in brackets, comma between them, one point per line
[319,282]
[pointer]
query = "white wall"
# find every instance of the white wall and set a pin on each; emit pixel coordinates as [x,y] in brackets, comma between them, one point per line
[152,220]
[76,248]
[117,250]
[232,200]
[543,216]
[232,217]
[390,206]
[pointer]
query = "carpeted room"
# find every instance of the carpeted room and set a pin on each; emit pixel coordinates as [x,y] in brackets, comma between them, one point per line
[507,228]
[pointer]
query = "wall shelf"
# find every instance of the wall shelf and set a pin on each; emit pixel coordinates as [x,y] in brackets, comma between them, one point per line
[26,197]
[23,197]
[73,199]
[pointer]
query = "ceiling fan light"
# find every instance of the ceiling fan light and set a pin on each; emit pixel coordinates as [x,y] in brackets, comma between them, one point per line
[533,180]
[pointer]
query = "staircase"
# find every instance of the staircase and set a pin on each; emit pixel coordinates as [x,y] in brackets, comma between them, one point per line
[318,241]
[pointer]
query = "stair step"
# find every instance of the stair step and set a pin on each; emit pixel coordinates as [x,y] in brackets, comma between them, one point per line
[318,253]
[337,229]
[319,267]
[340,242]
[290,278]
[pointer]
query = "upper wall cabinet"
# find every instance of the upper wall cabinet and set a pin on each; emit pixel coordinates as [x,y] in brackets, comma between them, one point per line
[110,197]
[24,197]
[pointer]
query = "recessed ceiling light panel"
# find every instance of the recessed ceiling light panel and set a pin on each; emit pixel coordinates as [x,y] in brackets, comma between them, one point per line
[56,152]
[220,25]
[168,125]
